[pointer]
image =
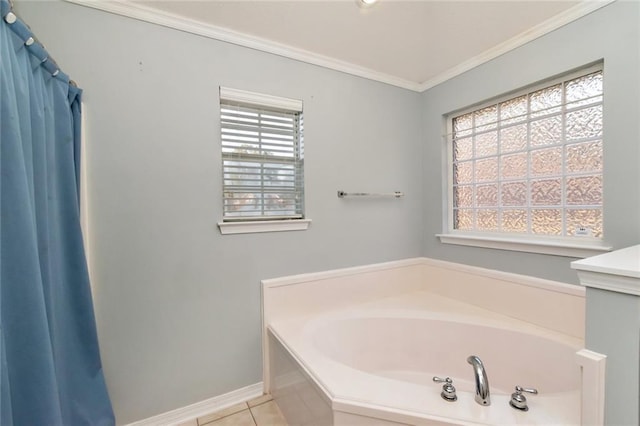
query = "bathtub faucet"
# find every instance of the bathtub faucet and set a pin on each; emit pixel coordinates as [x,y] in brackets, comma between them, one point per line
[483,396]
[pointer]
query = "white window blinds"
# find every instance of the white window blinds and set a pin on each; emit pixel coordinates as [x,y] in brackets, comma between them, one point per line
[262,156]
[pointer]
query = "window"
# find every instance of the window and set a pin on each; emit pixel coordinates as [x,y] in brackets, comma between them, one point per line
[531,165]
[262,159]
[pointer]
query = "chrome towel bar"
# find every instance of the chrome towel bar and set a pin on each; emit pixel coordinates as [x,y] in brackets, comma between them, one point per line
[344,194]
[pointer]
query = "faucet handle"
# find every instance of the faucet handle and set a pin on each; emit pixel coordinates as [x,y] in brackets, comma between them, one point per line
[441,380]
[518,400]
[520,389]
[448,391]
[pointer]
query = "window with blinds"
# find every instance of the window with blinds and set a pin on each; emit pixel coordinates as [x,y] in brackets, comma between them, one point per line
[262,157]
[532,163]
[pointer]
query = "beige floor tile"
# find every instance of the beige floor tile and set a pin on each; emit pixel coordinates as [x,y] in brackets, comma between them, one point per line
[193,422]
[222,413]
[268,414]
[259,400]
[243,418]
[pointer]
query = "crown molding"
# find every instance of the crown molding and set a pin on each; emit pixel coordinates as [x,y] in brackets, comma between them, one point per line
[578,11]
[170,20]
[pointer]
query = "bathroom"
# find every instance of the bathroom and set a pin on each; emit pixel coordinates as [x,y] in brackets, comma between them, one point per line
[177,304]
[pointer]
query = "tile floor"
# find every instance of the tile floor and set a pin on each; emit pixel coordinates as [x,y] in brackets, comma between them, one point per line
[261,411]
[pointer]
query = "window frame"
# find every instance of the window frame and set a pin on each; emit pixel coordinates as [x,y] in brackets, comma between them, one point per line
[240,225]
[571,246]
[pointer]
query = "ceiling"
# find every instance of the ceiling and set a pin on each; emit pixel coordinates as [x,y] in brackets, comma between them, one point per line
[413,44]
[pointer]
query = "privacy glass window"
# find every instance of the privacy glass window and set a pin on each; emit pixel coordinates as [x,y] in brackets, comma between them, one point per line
[262,161]
[532,164]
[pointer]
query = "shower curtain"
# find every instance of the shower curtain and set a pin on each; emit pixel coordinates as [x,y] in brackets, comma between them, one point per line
[50,368]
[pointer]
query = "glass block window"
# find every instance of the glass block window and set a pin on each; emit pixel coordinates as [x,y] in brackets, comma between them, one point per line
[531,164]
[262,156]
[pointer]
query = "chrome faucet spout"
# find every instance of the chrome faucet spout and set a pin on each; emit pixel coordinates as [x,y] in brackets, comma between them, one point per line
[483,395]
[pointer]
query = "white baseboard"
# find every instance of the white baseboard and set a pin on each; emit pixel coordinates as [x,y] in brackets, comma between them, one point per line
[202,408]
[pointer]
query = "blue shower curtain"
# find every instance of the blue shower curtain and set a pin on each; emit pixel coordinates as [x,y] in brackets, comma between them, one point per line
[50,368]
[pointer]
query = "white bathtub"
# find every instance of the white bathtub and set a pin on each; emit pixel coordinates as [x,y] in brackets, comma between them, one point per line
[416,349]
[360,346]
[377,362]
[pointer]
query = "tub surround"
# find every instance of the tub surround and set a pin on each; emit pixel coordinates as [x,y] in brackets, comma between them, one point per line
[612,283]
[550,304]
[421,289]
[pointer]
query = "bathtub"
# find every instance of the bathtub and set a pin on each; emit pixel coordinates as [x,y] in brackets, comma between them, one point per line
[378,362]
[352,362]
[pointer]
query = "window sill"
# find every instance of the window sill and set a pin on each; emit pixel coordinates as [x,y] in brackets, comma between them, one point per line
[250,227]
[556,247]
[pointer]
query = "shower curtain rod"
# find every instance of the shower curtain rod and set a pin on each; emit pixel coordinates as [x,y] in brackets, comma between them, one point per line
[31,42]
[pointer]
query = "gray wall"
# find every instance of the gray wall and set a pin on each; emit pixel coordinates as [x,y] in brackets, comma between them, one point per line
[613,328]
[178,304]
[610,33]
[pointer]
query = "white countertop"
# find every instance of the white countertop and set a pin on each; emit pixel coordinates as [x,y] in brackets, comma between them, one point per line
[624,262]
